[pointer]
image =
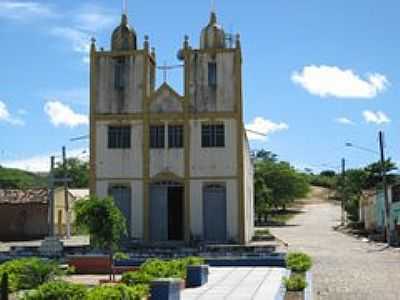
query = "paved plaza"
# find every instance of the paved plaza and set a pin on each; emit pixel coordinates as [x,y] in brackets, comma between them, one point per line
[246,283]
[345,268]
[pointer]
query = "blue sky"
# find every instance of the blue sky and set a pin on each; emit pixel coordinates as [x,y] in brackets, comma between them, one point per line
[316,73]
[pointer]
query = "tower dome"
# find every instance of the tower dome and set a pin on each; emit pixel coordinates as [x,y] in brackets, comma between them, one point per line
[212,36]
[124,37]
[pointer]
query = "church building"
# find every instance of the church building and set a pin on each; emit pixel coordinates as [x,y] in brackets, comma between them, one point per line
[177,165]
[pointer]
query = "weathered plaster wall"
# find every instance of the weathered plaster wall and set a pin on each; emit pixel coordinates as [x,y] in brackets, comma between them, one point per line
[196,207]
[102,187]
[111,100]
[204,98]
[119,163]
[248,191]
[23,221]
[166,100]
[213,161]
[167,160]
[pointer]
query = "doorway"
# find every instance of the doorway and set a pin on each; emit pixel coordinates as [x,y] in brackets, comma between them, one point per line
[214,213]
[166,211]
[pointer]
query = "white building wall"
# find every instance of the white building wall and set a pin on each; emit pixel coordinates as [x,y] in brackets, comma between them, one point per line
[119,163]
[206,99]
[248,192]
[206,162]
[167,160]
[102,187]
[196,207]
[110,100]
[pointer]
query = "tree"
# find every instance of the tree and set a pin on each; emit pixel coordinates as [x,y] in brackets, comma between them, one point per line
[277,184]
[77,170]
[103,220]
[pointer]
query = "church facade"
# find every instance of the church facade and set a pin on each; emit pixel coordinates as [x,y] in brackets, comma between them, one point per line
[178,166]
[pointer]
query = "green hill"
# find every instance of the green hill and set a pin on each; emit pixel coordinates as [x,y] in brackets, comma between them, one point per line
[18,179]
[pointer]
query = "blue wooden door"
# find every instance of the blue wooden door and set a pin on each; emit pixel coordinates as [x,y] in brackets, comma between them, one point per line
[122,199]
[158,213]
[214,213]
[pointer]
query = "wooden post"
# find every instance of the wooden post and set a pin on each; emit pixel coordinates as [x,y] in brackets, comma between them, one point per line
[4,287]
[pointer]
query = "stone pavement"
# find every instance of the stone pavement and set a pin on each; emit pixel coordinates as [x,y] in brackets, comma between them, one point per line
[344,266]
[245,283]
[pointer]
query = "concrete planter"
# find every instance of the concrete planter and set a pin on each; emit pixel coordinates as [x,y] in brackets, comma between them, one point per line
[294,296]
[306,294]
[166,289]
[196,276]
[90,264]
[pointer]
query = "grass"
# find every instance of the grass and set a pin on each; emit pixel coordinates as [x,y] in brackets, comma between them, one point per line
[262,232]
[283,216]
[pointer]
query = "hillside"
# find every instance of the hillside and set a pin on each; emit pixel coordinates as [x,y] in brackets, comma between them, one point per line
[18,179]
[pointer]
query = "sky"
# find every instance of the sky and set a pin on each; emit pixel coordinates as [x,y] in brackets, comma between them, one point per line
[316,74]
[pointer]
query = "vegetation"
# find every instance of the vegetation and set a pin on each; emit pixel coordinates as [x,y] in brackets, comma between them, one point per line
[103,220]
[259,232]
[277,183]
[120,256]
[77,170]
[18,179]
[29,273]
[295,283]
[120,291]
[156,268]
[59,290]
[351,186]
[298,262]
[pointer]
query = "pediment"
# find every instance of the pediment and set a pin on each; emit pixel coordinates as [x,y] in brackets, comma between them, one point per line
[166,176]
[165,99]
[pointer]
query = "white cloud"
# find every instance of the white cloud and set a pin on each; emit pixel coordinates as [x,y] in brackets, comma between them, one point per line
[331,81]
[94,18]
[6,116]
[79,40]
[41,163]
[265,127]
[344,121]
[61,114]
[377,117]
[24,10]
[73,96]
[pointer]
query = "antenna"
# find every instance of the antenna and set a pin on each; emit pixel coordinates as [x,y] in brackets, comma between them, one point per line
[125,7]
[213,9]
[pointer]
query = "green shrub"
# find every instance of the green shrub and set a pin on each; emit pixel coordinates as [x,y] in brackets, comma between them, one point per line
[29,273]
[120,256]
[57,290]
[295,283]
[259,232]
[298,262]
[118,292]
[156,268]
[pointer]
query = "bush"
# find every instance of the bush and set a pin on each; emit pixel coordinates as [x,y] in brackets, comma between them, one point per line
[120,256]
[117,292]
[259,232]
[57,290]
[298,262]
[29,273]
[295,283]
[156,268]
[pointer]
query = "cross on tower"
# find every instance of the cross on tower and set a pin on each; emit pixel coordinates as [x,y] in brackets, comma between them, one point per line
[167,68]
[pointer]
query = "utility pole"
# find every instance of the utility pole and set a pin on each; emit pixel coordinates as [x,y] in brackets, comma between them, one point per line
[343,190]
[385,188]
[51,197]
[66,193]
